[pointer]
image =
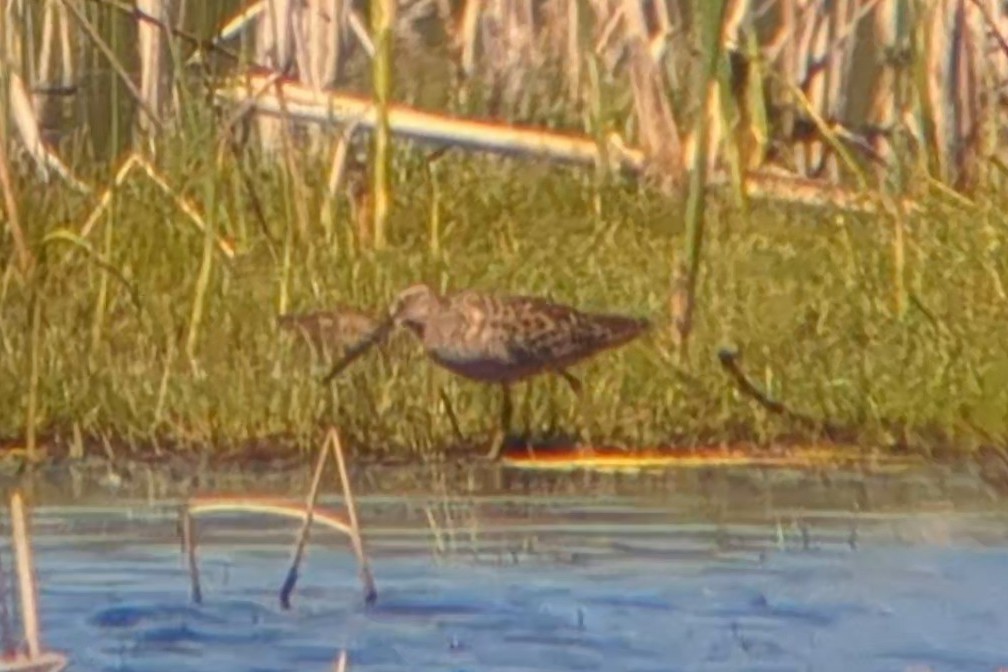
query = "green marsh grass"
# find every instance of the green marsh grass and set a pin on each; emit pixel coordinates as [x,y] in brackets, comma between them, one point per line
[806,294]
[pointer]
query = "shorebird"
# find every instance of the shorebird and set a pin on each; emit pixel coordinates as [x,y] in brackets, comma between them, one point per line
[337,330]
[501,339]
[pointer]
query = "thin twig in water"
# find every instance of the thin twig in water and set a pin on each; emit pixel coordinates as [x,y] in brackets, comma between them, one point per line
[188,533]
[302,541]
[370,593]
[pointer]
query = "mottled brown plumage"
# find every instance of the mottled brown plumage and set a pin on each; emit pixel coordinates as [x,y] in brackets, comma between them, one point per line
[504,339]
[334,330]
[501,339]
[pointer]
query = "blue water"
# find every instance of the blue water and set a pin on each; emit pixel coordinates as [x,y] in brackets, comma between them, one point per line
[589,584]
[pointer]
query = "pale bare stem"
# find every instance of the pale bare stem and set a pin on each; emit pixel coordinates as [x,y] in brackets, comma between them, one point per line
[273,50]
[114,63]
[43,67]
[789,68]
[27,125]
[337,171]
[359,29]
[137,161]
[153,58]
[837,69]
[659,132]
[608,22]
[382,22]
[574,50]
[331,107]
[25,565]
[937,55]
[735,14]
[25,258]
[187,529]
[994,16]
[468,34]
[881,112]
[814,84]
[66,46]
[341,662]
[976,120]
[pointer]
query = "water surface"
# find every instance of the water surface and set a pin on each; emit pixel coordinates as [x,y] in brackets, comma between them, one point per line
[675,572]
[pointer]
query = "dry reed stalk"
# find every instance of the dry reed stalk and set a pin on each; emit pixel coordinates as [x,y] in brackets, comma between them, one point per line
[839,57]
[557,42]
[382,23]
[327,42]
[938,49]
[573,55]
[882,113]
[975,114]
[33,659]
[752,132]
[437,129]
[658,44]
[341,662]
[789,66]
[992,53]
[43,66]
[812,80]
[21,538]
[153,55]
[25,258]
[608,19]
[995,16]
[687,270]
[274,50]
[657,127]
[466,36]
[954,113]
[268,52]
[442,130]
[35,345]
[736,12]
[23,114]
[66,46]
[338,168]
[506,31]
[113,62]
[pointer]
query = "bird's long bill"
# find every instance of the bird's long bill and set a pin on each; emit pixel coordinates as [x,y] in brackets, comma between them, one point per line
[376,336]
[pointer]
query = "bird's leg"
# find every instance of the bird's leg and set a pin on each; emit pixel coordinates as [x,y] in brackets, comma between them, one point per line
[500,434]
[578,389]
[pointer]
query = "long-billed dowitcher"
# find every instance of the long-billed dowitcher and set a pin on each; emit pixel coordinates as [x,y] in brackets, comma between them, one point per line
[338,329]
[501,339]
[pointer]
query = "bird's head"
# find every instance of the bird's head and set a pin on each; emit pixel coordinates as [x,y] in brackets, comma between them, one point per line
[414,306]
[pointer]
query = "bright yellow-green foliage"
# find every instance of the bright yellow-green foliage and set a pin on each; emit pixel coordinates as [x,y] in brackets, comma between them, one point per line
[806,294]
